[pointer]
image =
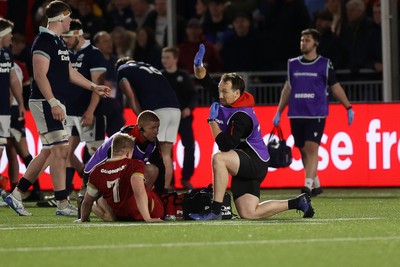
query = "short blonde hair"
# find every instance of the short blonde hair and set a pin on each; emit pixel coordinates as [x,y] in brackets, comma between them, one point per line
[121,142]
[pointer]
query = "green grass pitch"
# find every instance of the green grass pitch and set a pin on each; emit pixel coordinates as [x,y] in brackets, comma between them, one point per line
[351,227]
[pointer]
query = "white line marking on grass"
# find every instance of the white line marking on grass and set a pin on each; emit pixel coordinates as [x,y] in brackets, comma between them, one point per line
[201,244]
[238,222]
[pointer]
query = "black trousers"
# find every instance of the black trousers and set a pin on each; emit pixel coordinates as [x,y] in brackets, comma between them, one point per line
[187,137]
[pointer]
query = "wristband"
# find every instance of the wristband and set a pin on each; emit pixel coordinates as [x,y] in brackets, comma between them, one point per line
[349,107]
[210,120]
[92,86]
[53,102]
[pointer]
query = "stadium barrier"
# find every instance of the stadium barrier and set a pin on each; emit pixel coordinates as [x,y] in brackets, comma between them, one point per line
[366,153]
[266,87]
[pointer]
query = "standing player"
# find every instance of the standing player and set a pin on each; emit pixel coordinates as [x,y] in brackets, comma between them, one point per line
[306,92]
[119,188]
[146,88]
[16,143]
[183,86]
[8,79]
[147,149]
[52,72]
[85,120]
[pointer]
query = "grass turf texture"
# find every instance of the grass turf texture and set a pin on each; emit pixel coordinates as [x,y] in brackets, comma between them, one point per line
[351,227]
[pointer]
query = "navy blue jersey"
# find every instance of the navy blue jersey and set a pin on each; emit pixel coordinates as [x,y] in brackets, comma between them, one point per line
[152,89]
[54,49]
[85,61]
[6,65]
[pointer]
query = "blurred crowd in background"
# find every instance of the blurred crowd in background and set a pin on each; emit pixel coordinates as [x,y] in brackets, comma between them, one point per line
[239,35]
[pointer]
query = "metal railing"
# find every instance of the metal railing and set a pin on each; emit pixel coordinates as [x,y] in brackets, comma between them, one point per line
[266,87]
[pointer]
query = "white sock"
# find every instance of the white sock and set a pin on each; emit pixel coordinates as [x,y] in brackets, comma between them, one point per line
[316,182]
[62,205]
[309,183]
[17,194]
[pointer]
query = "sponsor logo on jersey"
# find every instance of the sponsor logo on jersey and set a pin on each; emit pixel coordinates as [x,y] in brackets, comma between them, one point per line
[304,95]
[114,170]
[5,67]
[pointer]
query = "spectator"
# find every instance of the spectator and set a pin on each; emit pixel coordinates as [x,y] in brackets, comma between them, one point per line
[186,8]
[143,12]
[8,79]
[182,84]
[121,14]
[314,7]
[114,104]
[52,74]
[283,20]
[147,49]
[355,37]
[216,26]
[336,8]
[159,24]
[329,45]
[124,42]
[243,153]
[201,10]
[243,44]
[91,22]
[147,149]
[128,199]
[16,143]
[188,48]
[147,89]
[85,119]
[308,105]
[375,39]
[240,6]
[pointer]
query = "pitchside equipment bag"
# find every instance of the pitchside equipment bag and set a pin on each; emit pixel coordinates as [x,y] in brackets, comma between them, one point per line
[198,200]
[173,203]
[280,154]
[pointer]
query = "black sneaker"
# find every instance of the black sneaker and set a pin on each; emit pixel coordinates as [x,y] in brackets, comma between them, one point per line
[48,201]
[304,204]
[205,216]
[306,190]
[316,191]
[35,196]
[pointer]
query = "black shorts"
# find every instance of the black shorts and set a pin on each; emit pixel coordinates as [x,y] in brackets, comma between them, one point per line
[307,130]
[252,172]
